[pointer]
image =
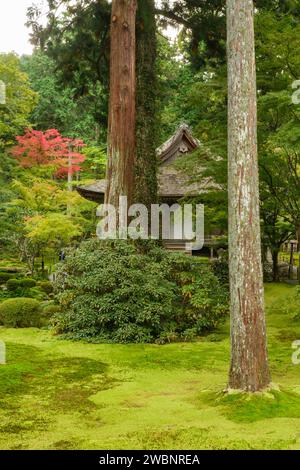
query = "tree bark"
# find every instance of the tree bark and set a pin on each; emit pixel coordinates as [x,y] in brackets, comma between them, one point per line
[275,254]
[298,235]
[122,114]
[249,369]
[146,127]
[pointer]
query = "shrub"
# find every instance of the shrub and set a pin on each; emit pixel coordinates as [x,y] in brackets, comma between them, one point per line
[21,286]
[46,287]
[13,284]
[33,293]
[221,268]
[20,313]
[27,283]
[267,271]
[296,303]
[11,270]
[204,298]
[109,291]
[50,310]
[4,277]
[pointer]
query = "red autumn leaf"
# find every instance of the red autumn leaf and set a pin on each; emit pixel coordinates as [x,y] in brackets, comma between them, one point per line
[49,148]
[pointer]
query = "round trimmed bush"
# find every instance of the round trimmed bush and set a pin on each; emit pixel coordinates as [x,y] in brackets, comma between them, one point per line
[46,286]
[4,277]
[13,284]
[12,270]
[50,310]
[20,313]
[27,283]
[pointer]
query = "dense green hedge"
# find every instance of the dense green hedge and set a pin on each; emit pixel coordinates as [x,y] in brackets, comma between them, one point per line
[109,291]
[4,277]
[25,287]
[46,286]
[220,268]
[13,284]
[20,313]
[49,310]
[26,283]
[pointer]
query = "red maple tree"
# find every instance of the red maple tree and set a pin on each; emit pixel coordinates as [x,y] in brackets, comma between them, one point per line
[49,148]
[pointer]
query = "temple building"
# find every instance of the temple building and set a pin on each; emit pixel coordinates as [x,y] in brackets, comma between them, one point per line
[173,183]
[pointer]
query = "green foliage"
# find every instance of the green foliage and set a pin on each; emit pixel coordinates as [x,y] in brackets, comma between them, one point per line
[20,313]
[296,303]
[20,100]
[59,106]
[203,298]
[52,229]
[95,162]
[4,277]
[202,101]
[43,216]
[111,292]
[24,287]
[27,283]
[13,284]
[221,269]
[50,310]
[77,40]
[46,286]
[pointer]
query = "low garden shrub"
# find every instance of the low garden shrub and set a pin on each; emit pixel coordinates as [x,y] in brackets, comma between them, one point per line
[46,286]
[13,284]
[25,287]
[20,313]
[4,277]
[12,270]
[112,292]
[27,283]
[220,268]
[49,310]
[297,304]
[267,271]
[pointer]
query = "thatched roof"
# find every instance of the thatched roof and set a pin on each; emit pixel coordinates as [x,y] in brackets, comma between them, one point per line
[93,192]
[180,143]
[173,184]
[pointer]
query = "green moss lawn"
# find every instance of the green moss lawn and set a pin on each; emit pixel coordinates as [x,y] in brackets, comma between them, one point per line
[57,394]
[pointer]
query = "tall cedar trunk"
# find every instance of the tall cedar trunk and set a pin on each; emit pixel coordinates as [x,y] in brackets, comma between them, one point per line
[122,114]
[249,369]
[146,128]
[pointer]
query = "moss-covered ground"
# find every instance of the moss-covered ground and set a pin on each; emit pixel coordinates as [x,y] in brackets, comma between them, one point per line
[57,394]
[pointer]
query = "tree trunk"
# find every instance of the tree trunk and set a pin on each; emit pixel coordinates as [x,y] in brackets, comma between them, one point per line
[122,120]
[275,254]
[146,128]
[249,369]
[298,235]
